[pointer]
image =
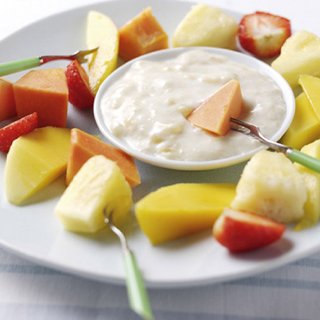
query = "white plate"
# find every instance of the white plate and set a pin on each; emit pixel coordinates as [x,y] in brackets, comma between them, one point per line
[172,53]
[33,232]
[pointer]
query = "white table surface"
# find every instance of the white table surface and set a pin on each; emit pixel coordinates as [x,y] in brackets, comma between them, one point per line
[29,291]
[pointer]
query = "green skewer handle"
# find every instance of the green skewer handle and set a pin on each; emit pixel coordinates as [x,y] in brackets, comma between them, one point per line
[137,293]
[20,65]
[304,159]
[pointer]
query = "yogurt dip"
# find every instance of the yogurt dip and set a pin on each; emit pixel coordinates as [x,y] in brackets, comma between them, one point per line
[148,107]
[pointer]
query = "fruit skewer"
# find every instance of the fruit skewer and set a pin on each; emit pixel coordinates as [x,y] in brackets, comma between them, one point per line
[293,154]
[24,64]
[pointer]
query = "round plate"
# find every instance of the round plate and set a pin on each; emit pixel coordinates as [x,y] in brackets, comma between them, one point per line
[34,232]
[168,54]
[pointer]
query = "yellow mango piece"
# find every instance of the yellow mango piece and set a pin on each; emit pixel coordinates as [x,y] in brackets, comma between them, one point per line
[179,210]
[311,87]
[98,184]
[300,54]
[312,180]
[305,127]
[205,25]
[102,33]
[34,160]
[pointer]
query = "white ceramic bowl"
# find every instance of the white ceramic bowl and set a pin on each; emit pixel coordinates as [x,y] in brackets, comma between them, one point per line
[195,165]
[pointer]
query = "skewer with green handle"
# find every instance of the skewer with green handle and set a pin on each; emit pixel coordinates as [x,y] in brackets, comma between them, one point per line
[24,64]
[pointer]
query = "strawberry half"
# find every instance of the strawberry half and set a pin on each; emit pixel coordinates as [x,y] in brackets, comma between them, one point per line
[242,231]
[80,94]
[16,129]
[263,34]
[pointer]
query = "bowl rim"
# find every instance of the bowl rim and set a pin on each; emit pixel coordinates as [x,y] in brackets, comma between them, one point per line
[171,53]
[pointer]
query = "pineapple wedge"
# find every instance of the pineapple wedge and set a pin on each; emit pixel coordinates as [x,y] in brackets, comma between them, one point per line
[300,54]
[182,209]
[35,160]
[272,186]
[312,180]
[205,25]
[98,184]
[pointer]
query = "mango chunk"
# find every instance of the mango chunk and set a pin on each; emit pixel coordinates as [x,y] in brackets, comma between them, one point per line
[312,181]
[98,185]
[311,87]
[45,92]
[207,26]
[142,34]
[7,103]
[305,126]
[180,210]
[34,160]
[85,145]
[214,113]
[300,54]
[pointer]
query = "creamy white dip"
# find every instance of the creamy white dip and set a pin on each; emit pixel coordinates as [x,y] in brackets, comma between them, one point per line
[148,106]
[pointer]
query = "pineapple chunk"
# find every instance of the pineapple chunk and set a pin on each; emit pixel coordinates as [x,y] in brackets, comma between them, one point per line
[34,160]
[300,54]
[205,25]
[312,180]
[98,184]
[272,186]
[182,209]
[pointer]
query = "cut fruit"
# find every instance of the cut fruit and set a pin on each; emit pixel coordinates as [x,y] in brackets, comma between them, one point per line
[180,210]
[214,113]
[34,160]
[311,87]
[242,231]
[300,54]
[85,145]
[271,186]
[142,34]
[45,92]
[80,94]
[305,126]
[207,26]
[16,129]
[98,185]
[7,103]
[102,33]
[263,33]
[312,180]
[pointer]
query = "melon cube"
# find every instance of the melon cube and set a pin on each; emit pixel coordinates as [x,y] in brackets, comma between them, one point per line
[7,103]
[44,91]
[214,113]
[85,145]
[141,35]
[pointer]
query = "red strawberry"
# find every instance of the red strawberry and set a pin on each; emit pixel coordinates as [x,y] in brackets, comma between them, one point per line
[80,94]
[243,231]
[263,34]
[16,129]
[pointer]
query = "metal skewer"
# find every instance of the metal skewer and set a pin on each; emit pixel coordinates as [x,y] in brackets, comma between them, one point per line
[24,64]
[293,154]
[137,293]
